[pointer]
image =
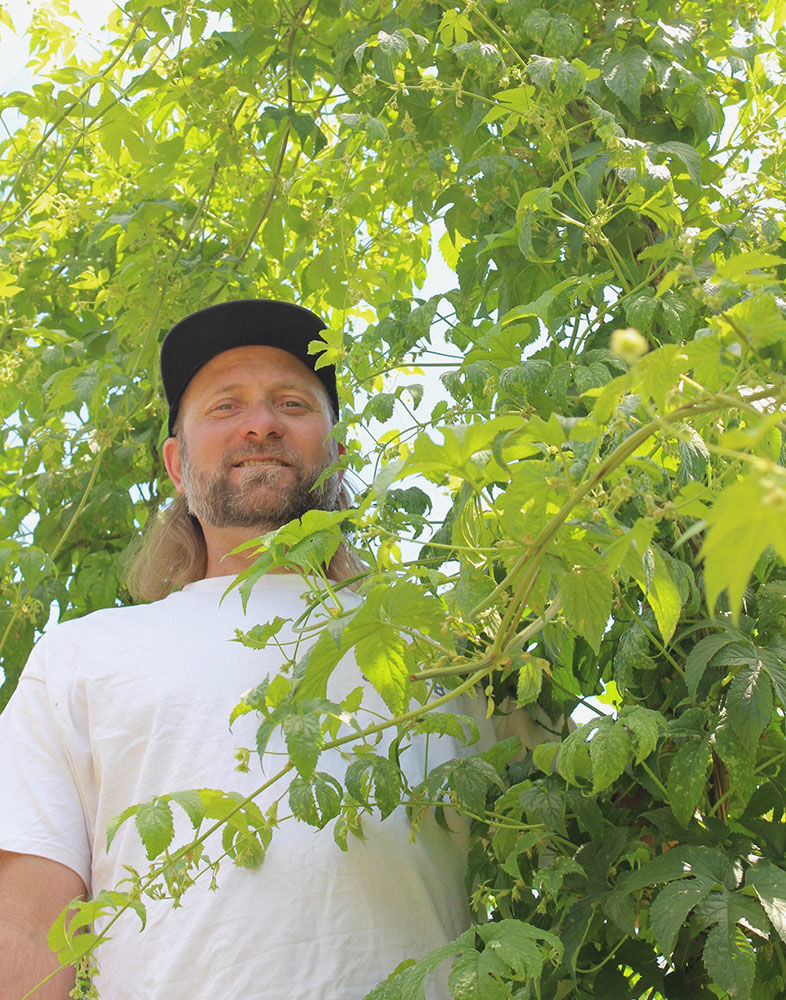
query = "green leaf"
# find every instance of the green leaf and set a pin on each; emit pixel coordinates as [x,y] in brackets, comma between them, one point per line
[522,947]
[657,373]
[671,907]
[573,759]
[729,956]
[474,976]
[385,779]
[529,679]
[312,673]
[610,751]
[304,741]
[734,540]
[769,881]
[704,863]
[625,73]
[586,601]
[700,655]
[301,802]
[687,154]
[155,825]
[383,658]
[461,727]
[470,778]
[191,803]
[646,726]
[115,824]
[259,636]
[749,703]
[687,778]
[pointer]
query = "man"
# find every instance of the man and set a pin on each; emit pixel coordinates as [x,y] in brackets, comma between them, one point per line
[130,703]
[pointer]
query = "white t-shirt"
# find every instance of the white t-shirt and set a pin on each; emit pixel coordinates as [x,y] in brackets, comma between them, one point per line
[128,703]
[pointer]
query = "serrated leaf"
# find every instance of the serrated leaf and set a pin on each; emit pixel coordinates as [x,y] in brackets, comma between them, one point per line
[646,726]
[529,680]
[461,727]
[671,907]
[687,778]
[699,656]
[474,976]
[769,881]
[304,741]
[522,947]
[191,803]
[734,540]
[301,802]
[610,751]
[327,792]
[543,755]
[259,636]
[573,759]
[625,73]
[384,776]
[470,778]
[382,656]
[155,825]
[729,957]
[406,983]
[115,824]
[586,600]
[663,595]
[749,703]
[568,81]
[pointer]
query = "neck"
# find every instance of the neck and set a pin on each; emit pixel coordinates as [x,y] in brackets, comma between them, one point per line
[220,542]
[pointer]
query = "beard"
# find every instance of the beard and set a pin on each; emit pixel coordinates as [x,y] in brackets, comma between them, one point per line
[214,499]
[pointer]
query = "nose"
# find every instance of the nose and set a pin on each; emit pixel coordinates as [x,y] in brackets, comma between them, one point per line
[261,420]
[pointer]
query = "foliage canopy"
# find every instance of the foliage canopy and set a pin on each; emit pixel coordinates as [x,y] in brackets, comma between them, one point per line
[616,519]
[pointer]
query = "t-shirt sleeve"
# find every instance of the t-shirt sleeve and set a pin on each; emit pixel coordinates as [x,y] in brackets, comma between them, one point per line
[41,810]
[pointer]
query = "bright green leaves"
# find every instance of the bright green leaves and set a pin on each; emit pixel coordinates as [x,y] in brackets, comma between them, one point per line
[155,825]
[735,540]
[304,740]
[529,679]
[246,832]
[586,599]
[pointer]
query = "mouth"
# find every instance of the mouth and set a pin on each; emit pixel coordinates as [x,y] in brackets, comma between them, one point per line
[250,463]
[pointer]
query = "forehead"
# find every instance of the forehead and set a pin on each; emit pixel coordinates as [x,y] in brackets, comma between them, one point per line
[253,366]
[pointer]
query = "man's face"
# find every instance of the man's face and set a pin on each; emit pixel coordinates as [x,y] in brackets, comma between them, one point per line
[252,436]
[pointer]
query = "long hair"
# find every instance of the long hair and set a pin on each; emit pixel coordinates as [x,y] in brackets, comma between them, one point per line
[173,553]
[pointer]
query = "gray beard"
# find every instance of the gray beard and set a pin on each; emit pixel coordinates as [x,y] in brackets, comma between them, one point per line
[214,500]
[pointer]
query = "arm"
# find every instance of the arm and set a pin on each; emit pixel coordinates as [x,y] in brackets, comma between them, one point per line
[33,891]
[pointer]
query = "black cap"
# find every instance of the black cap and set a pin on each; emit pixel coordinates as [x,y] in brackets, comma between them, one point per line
[193,341]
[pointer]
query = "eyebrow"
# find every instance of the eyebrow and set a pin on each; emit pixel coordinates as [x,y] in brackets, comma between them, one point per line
[278,386]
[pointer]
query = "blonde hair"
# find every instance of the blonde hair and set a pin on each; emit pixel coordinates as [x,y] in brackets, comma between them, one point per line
[173,553]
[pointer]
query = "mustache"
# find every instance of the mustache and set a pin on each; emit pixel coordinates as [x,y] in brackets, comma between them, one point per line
[280,452]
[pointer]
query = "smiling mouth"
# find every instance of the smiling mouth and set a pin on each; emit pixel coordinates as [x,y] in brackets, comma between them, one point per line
[252,462]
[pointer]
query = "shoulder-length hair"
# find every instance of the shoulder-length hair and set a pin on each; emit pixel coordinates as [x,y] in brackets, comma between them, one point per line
[173,553]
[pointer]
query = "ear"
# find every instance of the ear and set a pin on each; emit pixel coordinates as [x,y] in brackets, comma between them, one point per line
[171,452]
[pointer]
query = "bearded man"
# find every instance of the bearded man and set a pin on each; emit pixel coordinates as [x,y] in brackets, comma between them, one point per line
[131,703]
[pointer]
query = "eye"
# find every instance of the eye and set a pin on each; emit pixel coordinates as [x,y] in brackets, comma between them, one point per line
[293,404]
